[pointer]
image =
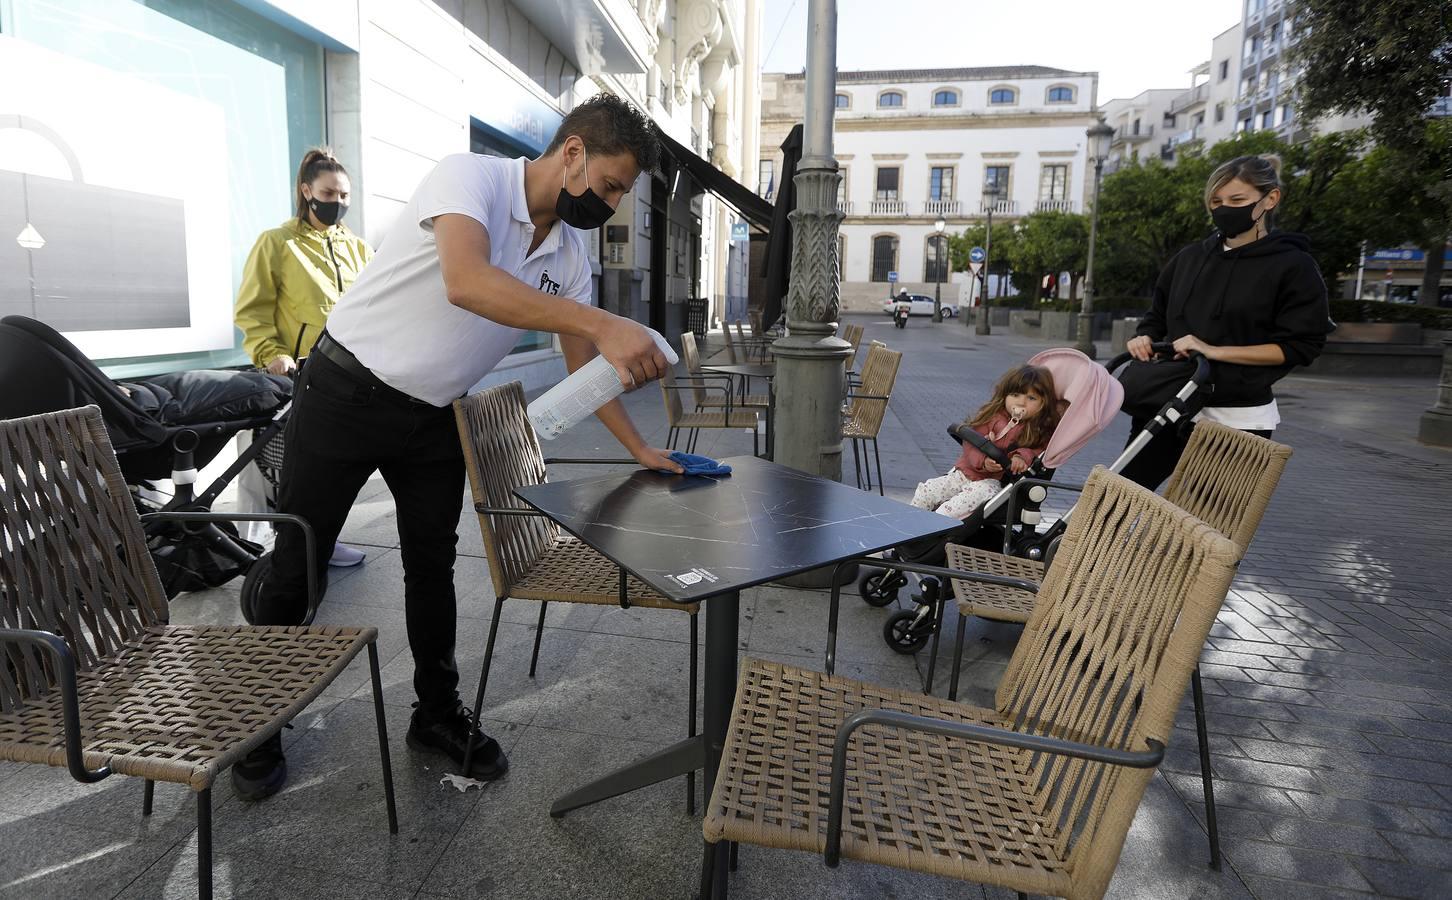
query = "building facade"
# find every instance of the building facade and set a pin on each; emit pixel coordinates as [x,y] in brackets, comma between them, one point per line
[1138,123]
[918,146]
[205,107]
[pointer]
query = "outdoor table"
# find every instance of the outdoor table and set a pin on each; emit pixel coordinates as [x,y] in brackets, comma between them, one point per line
[697,538]
[746,372]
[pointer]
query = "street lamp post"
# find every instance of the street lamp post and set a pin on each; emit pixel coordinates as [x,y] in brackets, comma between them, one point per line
[1099,135]
[938,227]
[991,190]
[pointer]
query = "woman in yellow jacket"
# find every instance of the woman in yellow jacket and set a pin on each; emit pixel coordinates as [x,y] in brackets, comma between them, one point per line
[295,274]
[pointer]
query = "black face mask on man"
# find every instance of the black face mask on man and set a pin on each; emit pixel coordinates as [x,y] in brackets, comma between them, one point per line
[329,213]
[585,211]
[1233,221]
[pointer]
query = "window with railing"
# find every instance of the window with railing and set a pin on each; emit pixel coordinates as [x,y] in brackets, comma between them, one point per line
[890,100]
[995,181]
[884,256]
[887,183]
[1054,182]
[940,183]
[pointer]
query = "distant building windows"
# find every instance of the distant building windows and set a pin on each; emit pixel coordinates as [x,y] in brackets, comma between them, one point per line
[946,97]
[765,178]
[1003,96]
[940,183]
[1266,118]
[997,176]
[935,258]
[890,100]
[1054,183]
[1060,94]
[1219,113]
[1224,69]
[884,256]
[887,184]
[844,101]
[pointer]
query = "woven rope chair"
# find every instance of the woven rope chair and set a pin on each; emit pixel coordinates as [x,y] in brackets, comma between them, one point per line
[92,678]
[678,420]
[1225,478]
[699,382]
[852,334]
[1035,794]
[867,407]
[530,557]
[730,343]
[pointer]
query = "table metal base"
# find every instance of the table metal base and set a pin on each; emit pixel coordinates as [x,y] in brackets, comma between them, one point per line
[674,761]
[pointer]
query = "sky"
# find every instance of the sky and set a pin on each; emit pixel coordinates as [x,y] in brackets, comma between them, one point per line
[1134,45]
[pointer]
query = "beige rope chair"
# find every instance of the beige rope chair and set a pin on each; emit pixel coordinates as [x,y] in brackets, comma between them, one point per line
[852,334]
[92,678]
[753,348]
[699,382]
[678,420]
[866,408]
[1225,477]
[1035,794]
[530,557]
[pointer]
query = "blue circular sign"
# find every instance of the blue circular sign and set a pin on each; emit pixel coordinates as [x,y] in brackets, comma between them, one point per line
[977,255]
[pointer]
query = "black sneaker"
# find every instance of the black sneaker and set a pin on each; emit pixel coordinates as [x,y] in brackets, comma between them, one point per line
[448,733]
[261,773]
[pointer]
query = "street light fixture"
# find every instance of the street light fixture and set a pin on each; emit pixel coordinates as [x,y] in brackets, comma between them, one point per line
[938,228]
[991,190]
[1099,135]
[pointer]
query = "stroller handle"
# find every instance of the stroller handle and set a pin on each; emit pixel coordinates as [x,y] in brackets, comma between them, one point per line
[1164,348]
[980,443]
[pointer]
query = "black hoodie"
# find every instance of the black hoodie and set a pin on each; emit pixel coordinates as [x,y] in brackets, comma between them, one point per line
[1266,292]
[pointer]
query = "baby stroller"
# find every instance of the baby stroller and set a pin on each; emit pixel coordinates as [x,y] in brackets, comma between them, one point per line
[163,427]
[1010,518]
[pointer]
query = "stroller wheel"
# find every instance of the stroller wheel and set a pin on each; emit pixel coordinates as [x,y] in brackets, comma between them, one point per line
[902,636]
[880,587]
[252,587]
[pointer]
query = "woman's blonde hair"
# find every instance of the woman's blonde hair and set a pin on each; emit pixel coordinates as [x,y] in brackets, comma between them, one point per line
[1261,172]
[314,163]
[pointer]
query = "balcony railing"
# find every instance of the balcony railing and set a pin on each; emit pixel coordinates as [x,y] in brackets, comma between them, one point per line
[845,207]
[942,208]
[888,208]
[1185,137]
[1442,106]
[1000,207]
[1189,98]
[1055,206]
[1125,133]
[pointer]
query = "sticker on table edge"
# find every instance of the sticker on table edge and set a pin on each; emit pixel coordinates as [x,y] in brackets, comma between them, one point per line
[694,577]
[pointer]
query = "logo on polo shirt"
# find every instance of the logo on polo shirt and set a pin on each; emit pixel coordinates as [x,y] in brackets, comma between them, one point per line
[548,286]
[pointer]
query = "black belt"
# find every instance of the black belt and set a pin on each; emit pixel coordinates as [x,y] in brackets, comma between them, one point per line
[344,359]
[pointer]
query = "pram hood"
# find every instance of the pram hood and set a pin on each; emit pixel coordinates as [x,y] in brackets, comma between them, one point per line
[1093,394]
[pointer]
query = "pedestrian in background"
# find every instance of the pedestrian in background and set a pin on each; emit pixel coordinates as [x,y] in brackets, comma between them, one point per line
[293,278]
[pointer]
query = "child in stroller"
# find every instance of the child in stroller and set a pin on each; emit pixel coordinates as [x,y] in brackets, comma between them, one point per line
[1018,419]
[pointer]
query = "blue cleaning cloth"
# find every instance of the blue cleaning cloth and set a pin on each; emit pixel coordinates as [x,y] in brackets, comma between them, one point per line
[695,464]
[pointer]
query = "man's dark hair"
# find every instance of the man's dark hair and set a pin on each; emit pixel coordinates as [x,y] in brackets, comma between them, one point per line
[609,126]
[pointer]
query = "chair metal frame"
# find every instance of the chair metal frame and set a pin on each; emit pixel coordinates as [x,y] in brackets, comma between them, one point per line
[85,615]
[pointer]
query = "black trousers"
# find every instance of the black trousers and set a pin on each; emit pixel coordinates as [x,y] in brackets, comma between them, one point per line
[1159,458]
[341,430]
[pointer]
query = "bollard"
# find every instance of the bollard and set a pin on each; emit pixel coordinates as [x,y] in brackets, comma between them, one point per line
[1436,425]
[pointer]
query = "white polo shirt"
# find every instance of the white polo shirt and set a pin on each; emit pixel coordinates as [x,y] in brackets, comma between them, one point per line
[396,318]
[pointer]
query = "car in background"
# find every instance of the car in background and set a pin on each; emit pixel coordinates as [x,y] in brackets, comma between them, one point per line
[919,305]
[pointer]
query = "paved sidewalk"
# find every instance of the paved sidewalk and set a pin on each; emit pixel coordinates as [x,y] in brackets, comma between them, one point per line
[1327,676]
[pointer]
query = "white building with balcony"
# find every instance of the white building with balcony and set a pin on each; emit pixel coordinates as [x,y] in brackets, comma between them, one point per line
[920,145]
[1138,123]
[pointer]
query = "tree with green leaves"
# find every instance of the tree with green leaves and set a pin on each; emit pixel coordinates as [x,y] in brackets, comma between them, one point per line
[1000,254]
[1051,242]
[1390,60]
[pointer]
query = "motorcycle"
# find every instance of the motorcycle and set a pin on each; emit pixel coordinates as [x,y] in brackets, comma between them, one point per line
[900,315]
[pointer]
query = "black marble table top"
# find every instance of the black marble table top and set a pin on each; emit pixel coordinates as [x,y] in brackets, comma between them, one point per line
[750,370]
[692,537]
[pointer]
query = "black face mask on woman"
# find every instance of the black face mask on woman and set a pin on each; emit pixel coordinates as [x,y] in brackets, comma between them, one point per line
[1233,221]
[330,213]
[585,211]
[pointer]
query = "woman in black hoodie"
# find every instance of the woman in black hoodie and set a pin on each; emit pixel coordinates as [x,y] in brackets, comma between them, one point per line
[1248,298]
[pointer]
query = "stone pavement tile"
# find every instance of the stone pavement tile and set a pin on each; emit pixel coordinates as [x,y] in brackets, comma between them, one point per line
[1230,793]
[1438,821]
[512,695]
[622,686]
[1314,736]
[1396,879]
[1423,850]
[1278,889]
[1222,725]
[1351,840]
[44,858]
[1355,785]
[1432,731]
[1293,864]
[1415,747]
[174,877]
[331,817]
[1325,718]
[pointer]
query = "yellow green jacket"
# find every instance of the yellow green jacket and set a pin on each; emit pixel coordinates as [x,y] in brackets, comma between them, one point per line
[292,280]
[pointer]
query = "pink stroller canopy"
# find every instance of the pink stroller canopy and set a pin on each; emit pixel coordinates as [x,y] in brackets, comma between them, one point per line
[1093,395]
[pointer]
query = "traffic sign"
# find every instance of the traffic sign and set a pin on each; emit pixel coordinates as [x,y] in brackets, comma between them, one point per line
[891,277]
[977,255]
[974,267]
